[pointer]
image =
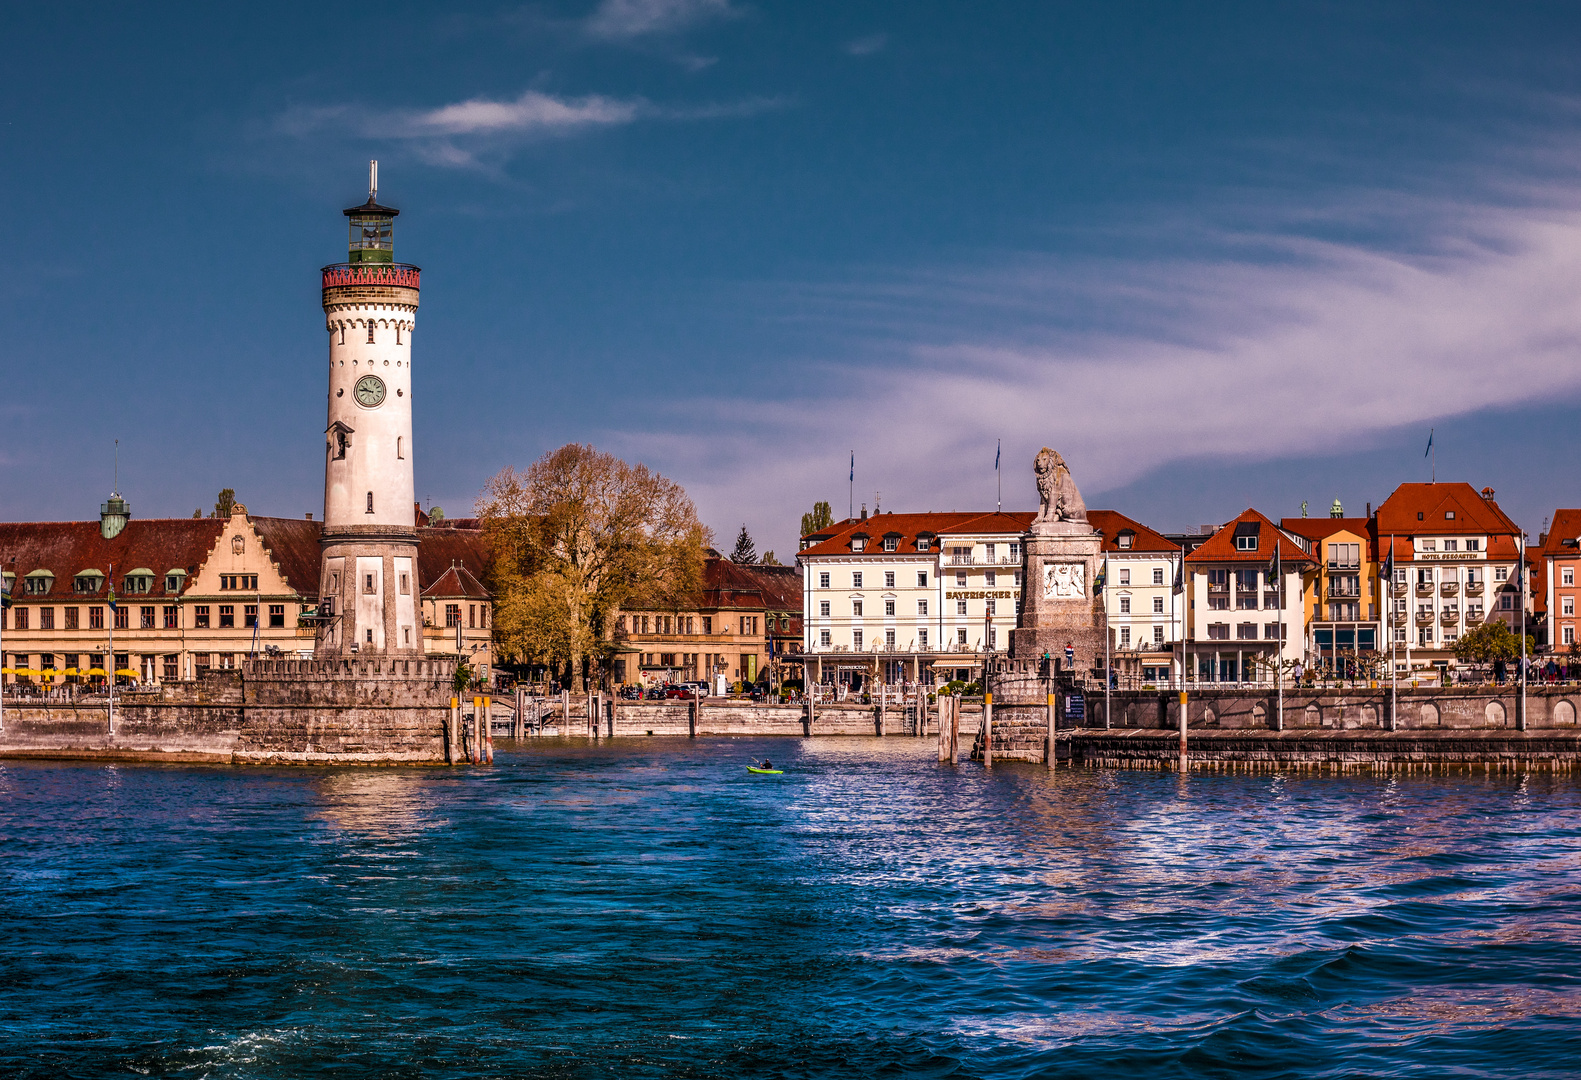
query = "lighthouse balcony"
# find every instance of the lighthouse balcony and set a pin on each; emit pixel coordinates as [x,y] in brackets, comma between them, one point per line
[402,275]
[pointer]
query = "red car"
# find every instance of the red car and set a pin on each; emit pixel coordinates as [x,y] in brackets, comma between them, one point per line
[679,692]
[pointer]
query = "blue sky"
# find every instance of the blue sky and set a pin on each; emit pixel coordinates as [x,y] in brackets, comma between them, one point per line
[1218,255]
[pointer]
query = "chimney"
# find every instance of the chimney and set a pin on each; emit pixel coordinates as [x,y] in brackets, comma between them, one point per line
[1487,493]
[1369,509]
[864,512]
[310,517]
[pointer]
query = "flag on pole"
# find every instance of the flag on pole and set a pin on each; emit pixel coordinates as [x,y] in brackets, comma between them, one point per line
[853,466]
[112,588]
[998,445]
[1273,565]
[1180,575]
[1429,449]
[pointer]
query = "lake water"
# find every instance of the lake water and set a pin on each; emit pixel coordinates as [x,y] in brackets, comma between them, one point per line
[648,908]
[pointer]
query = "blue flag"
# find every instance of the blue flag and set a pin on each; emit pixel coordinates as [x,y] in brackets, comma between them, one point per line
[853,466]
[997,447]
[1429,449]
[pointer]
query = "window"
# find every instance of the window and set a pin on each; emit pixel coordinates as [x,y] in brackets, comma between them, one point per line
[889,640]
[856,639]
[922,638]
[38,586]
[145,618]
[1501,573]
[227,615]
[400,450]
[369,632]
[889,579]
[1271,631]
[173,583]
[960,579]
[1158,575]
[1158,635]
[1018,579]
[1125,605]
[990,578]
[171,617]
[823,610]
[992,607]
[1015,552]
[856,609]
[823,581]
[856,579]
[1125,575]
[823,638]
[406,586]
[453,617]
[1506,602]
[1424,635]
[1567,576]
[1246,543]
[922,579]
[1429,545]
[1450,516]
[86,583]
[1424,576]
[96,618]
[708,620]
[46,618]
[71,623]
[1474,544]
[1451,545]
[922,607]
[858,543]
[924,543]
[370,503]
[1218,631]
[171,673]
[472,619]
[960,636]
[1158,605]
[1569,604]
[993,637]
[21,621]
[239,582]
[889,607]
[1569,635]
[367,583]
[1246,631]
[1125,637]
[891,543]
[370,342]
[989,551]
[342,443]
[960,607]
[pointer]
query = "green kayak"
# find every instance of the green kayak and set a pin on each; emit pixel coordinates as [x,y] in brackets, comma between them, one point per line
[767,772]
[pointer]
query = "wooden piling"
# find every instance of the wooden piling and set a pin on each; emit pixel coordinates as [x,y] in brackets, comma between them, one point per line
[944,728]
[1048,738]
[988,731]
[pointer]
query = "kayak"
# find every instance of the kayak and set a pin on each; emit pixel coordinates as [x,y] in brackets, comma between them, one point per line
[766,772]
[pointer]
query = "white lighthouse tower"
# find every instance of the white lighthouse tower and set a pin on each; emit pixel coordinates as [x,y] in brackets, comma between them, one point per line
[368,592]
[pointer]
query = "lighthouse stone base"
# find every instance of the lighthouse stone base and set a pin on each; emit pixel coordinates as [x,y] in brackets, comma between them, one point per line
[1059,607]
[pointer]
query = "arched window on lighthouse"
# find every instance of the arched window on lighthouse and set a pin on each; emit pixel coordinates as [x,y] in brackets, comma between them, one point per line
[397,333]
[343,333]
[370,502]
[399,449]
[370,331]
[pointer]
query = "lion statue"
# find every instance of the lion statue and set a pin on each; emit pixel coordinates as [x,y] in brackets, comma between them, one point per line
[1058,499]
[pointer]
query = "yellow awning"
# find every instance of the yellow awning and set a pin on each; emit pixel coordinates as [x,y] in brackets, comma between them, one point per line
[128,672]
[7,671]
[99,671]
[72,671]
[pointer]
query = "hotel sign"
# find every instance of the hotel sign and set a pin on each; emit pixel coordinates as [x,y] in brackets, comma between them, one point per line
[1450,556]
[979,594]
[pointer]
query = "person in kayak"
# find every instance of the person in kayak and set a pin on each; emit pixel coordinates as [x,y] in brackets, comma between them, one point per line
[766,764]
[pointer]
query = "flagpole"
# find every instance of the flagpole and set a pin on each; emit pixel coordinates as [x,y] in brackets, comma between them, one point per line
[1394,667]
[1108,664]
[111,657]
[999,478]
[850,508]
[1279,647]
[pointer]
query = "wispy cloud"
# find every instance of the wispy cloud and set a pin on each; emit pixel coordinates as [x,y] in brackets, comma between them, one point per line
[457,134]
[866,46]
[1297,348]
[627,19]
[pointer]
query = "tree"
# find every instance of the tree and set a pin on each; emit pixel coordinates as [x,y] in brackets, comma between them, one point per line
[820,518]
[746,551]
[577,536]
[222,506]
[769,559]
[436,514]
[1491,641]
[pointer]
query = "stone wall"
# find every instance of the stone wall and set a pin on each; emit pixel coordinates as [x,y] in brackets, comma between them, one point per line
[267,711]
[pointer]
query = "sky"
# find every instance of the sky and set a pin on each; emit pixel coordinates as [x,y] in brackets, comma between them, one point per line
[1218,256]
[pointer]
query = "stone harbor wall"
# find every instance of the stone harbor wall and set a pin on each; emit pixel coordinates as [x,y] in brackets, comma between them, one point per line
[267,711]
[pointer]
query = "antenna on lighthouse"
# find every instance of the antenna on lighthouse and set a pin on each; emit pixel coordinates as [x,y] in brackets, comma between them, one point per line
[373,180]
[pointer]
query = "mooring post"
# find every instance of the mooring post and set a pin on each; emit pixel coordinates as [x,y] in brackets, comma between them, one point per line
[693,707]
[450,731]
[486,714]
[807,715]
[1048,739]
[565,710]
[988,730]
[1182,726]
[955,728]
[944,727]
[883,700]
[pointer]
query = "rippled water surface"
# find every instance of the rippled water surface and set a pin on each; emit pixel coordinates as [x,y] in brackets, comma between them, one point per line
[648,908]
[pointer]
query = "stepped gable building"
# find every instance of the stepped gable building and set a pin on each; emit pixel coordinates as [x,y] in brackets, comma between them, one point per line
[743,626]
[1240,615]
[1456,565]
[1346,611]
[198,594]
[1557,564]
[1145,615]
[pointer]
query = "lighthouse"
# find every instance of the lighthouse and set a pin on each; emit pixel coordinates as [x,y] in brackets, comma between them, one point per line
[368,584]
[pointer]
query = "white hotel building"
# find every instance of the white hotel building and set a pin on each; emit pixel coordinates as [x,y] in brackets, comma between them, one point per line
[901,598]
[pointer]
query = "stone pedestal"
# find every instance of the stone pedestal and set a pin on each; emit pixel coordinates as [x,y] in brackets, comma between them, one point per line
[1058,605]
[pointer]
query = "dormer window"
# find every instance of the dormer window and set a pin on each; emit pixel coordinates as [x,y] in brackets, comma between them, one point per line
[174,580]
[1123,541]
[138,581]
[1246,543]
[1449,515]
[858,543]
[924,543]
[87,582]
[892,542]
[38,582]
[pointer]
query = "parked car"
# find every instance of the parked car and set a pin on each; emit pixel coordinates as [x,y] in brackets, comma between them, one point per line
[680,690]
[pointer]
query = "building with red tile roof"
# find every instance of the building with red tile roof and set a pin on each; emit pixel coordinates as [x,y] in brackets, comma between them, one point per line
[190,594]
[1558,562]
[1456,558]
[1241,616]
[1145,614]
[1343,598]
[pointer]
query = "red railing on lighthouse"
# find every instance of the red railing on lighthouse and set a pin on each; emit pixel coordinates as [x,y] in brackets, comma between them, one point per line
[401,274]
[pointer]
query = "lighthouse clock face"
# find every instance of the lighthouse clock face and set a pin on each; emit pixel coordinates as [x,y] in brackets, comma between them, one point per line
[369,391]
